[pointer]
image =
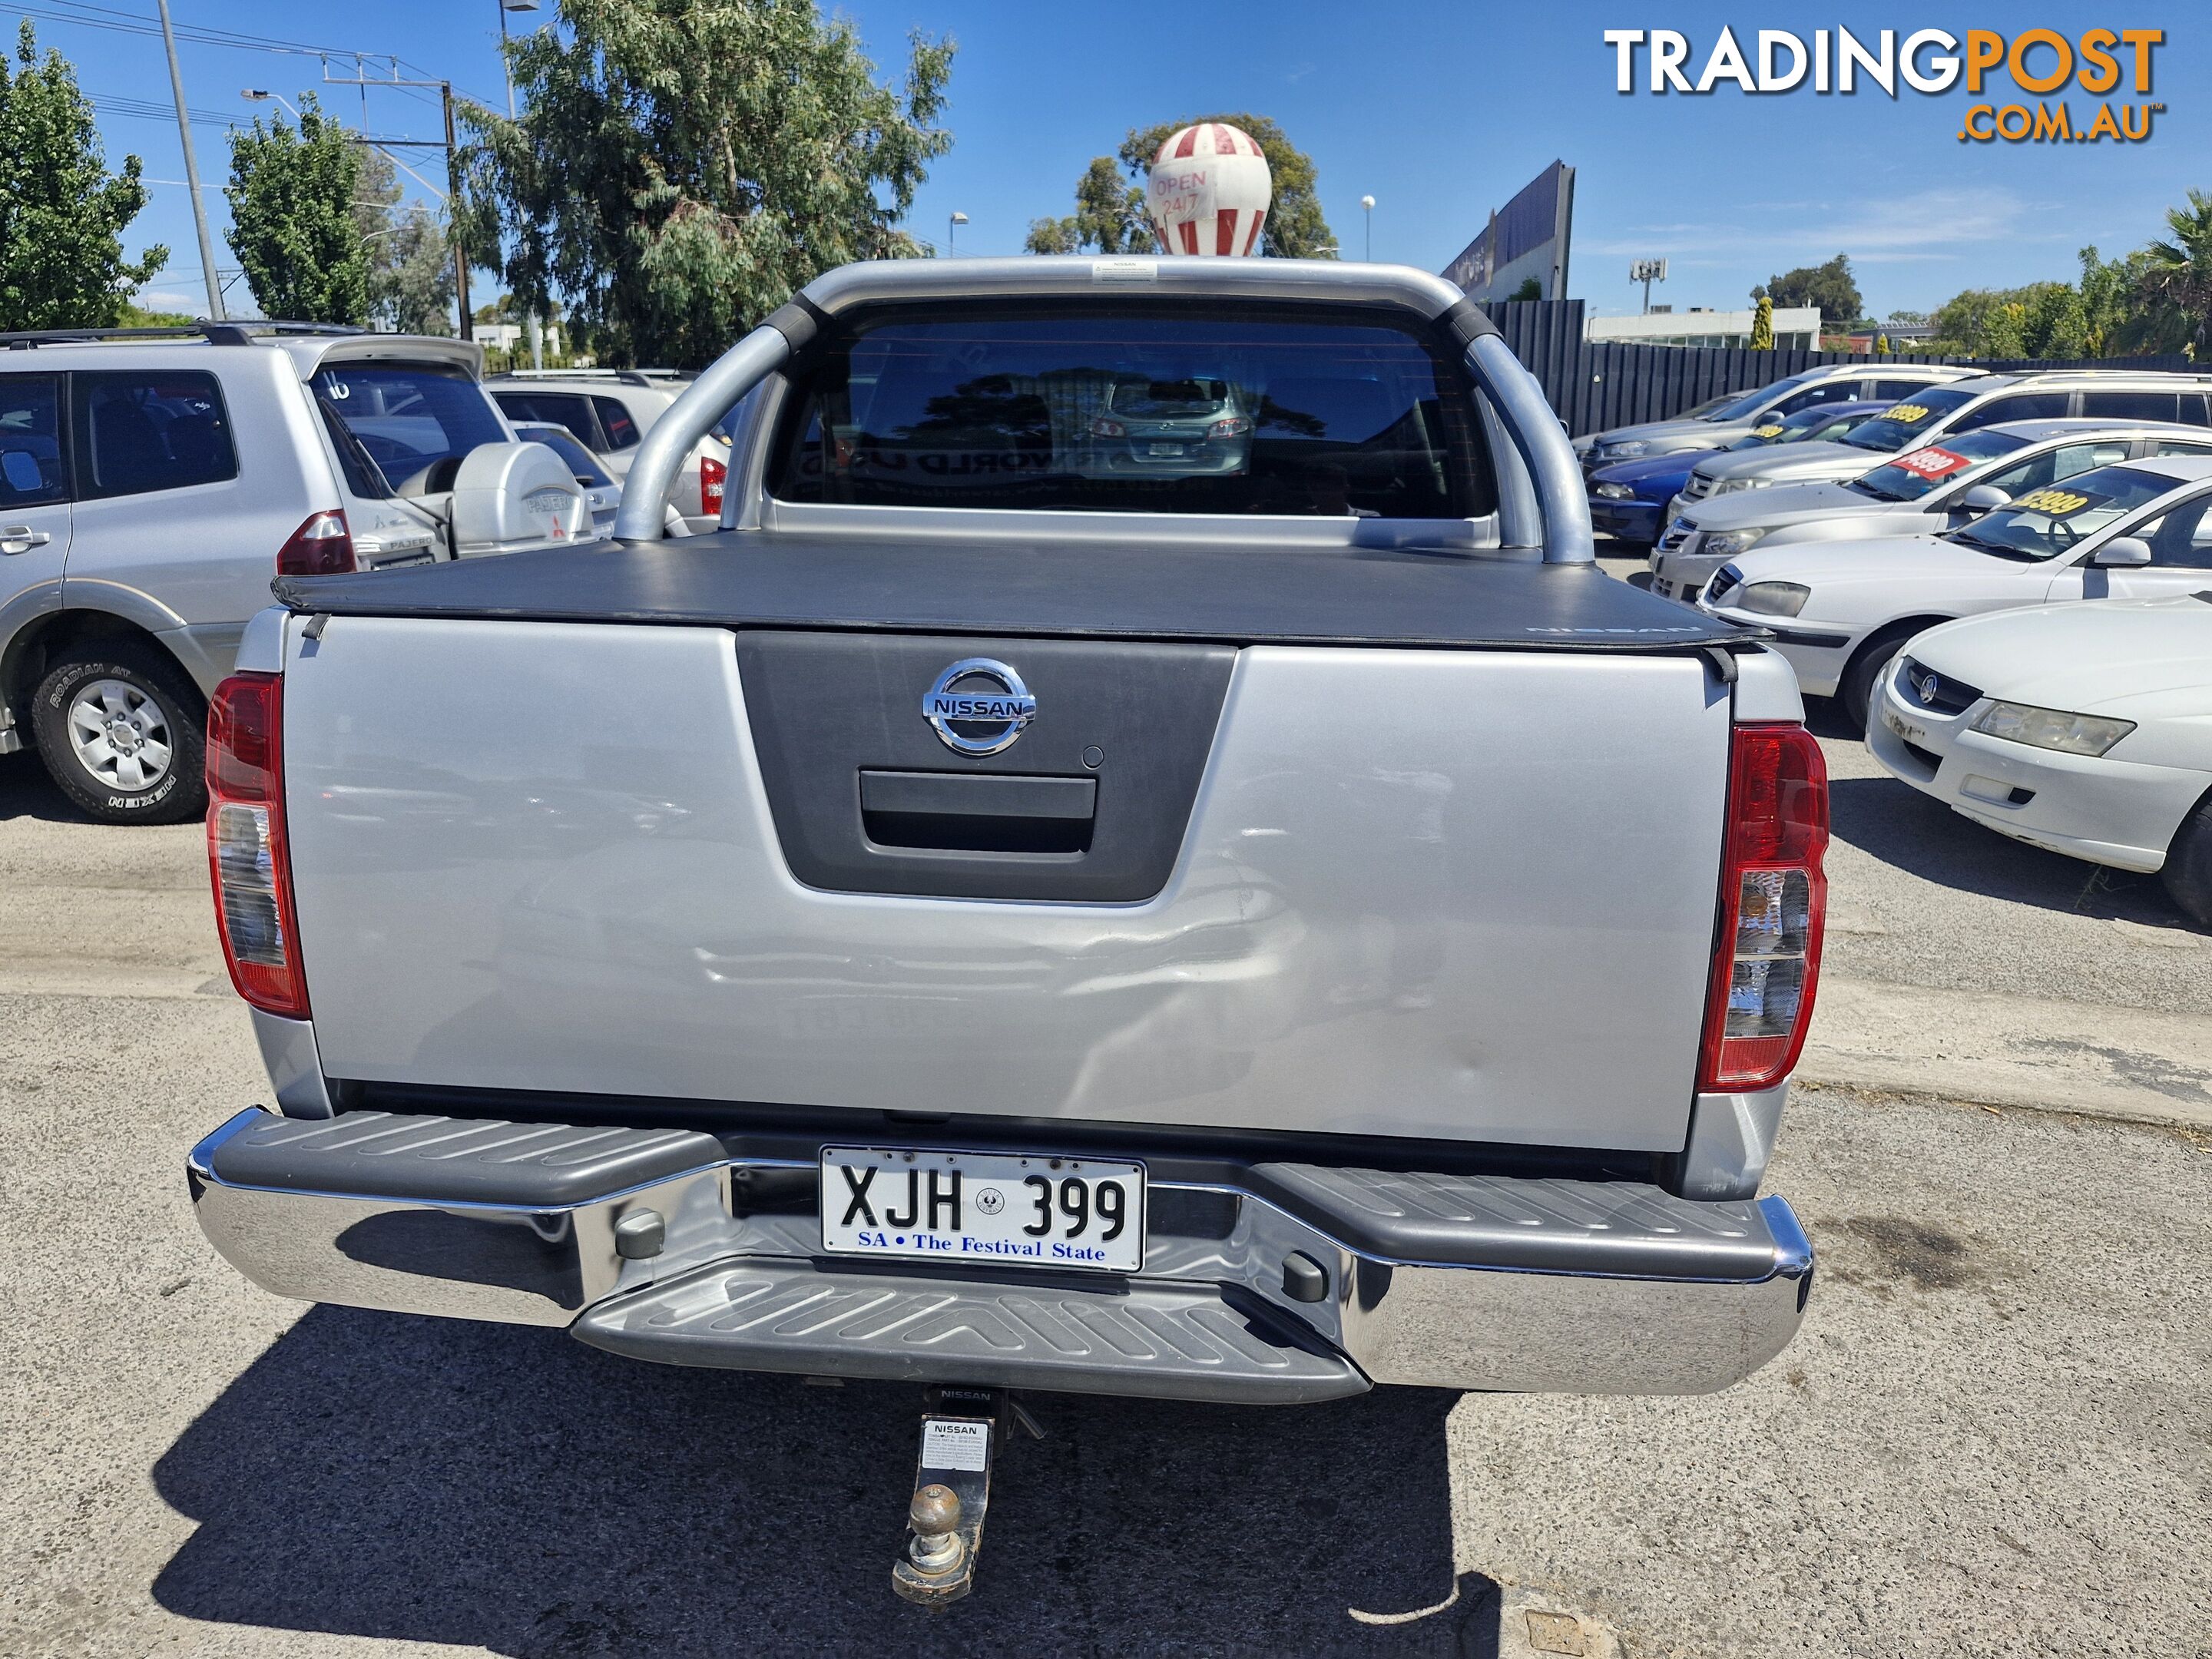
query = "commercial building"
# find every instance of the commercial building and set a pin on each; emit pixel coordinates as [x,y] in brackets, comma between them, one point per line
[1795,328]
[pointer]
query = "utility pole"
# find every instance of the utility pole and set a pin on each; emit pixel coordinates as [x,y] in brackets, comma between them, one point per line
[1647,272]
[453,175]
[216,313]
[453,216]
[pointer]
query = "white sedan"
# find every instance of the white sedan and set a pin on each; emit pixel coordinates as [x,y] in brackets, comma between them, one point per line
[2086,729]
[1840,610]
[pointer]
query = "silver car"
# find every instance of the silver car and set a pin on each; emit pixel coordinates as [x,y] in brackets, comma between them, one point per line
[1934,488]
[153,481]
[1832,383]
[2111,395]
[610,410]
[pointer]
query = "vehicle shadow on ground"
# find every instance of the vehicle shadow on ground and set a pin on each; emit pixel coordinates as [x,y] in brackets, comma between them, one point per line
[1901,826]
[380,1475]
[26,792]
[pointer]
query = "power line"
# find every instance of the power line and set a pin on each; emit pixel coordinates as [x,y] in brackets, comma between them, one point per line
[132,22]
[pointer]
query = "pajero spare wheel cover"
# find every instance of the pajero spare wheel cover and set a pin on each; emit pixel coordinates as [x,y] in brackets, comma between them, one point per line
[508,497]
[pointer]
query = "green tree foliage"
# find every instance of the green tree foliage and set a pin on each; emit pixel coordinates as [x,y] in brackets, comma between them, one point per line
[62,213]
[2113,323]
[1762,324]
[682,165]
[2174,288]
[1108,217]
[1295,227]
[1530,288]
[1831,287]
[293,223]
[417,292]
[2056,324]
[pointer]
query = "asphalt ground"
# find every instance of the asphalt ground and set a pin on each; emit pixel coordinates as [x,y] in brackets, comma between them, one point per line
[1990,1438]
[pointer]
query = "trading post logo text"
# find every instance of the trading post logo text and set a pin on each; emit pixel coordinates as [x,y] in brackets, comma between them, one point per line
[1836,62]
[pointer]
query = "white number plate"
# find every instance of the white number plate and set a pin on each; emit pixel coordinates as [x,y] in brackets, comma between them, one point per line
[985,1208]
[1165,449]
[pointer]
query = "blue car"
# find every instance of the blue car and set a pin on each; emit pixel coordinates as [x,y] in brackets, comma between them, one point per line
[1628,499]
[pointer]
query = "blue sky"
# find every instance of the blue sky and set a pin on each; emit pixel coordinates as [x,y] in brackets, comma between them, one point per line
[1439,111]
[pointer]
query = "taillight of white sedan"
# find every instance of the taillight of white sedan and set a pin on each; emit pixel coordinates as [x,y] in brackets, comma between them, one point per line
[2083,729]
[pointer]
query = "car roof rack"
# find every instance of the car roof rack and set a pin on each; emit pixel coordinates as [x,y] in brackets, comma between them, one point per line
[226,333]
[618,376]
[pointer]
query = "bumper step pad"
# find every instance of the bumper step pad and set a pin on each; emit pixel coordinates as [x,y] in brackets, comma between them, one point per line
[1151,1338]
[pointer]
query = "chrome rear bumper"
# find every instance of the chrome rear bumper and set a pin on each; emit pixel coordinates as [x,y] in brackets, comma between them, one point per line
[659,1244]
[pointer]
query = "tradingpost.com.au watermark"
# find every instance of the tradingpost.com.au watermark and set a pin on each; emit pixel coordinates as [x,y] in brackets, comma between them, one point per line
[1836,62]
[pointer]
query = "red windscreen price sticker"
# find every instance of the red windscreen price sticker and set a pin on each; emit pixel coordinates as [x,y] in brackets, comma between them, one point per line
[1933,462]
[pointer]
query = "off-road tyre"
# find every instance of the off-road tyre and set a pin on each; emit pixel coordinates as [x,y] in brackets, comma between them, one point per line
[158,707]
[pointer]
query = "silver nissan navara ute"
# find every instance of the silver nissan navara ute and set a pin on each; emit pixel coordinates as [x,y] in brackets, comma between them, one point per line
[994,918]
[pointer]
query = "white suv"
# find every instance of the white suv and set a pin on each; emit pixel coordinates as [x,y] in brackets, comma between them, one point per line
[153,481]
[610,410]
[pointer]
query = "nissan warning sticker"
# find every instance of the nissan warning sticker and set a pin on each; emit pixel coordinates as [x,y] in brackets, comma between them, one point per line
[1934,462]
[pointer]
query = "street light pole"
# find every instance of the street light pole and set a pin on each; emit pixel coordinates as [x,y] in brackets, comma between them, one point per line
[951,232]
[1367,206]
[216,313]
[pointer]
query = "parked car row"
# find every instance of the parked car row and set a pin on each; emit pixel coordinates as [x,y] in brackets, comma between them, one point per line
[2014,601]
[153,481]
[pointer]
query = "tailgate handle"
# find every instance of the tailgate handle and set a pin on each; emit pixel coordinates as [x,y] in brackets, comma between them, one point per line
[979,811]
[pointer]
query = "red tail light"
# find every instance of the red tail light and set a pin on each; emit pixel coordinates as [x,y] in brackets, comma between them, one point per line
[322,546]
[248,859]
[713,475]
[1105,426]
[1773,898]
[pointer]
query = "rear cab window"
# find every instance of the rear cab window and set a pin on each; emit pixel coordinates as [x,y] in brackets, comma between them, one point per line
[137,432]
[1137,410]
[33,464]
[410,417]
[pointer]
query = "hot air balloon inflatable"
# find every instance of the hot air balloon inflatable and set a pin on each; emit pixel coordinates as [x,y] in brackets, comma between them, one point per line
[1209,190]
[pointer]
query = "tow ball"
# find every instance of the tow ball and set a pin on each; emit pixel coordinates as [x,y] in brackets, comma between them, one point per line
[961,1429]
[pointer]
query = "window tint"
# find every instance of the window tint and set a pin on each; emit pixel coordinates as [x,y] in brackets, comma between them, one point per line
[2052,520]
[621,431]
[1138,412]
[31,462]
[364,479]
[570,409]
[2020,406]
[2181,539]
[580,461]
[409,417]
[1922,467]
[2196,410]
[2183,446]
[2132,406]
[1898,388]
[1829,392]
[1749,403]
[140,432]
[1907,425]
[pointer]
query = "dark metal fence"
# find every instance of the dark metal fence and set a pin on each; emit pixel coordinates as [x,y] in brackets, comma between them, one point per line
[1597,386]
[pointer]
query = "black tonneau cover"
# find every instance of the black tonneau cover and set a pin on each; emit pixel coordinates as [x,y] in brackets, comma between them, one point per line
[1230,593]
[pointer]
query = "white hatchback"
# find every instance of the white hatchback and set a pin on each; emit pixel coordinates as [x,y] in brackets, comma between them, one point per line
[1840,610]
[2085,729]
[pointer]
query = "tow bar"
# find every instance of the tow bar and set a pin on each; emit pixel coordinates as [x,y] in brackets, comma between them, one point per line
[961,1429]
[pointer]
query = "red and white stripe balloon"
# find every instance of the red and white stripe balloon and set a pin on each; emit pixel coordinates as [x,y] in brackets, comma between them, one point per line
[1209,190]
